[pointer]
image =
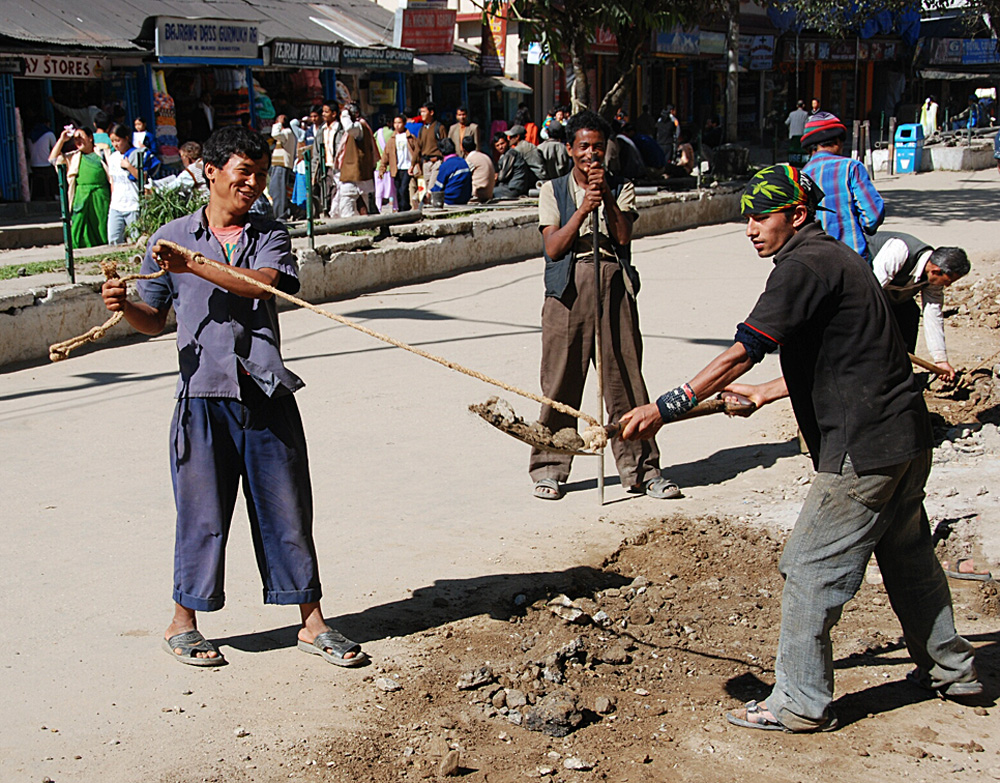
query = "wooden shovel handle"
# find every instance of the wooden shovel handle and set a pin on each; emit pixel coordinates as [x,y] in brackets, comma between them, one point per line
[927,365]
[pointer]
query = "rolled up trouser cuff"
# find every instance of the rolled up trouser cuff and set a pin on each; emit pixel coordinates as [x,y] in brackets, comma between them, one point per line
[198,604]
[289,597]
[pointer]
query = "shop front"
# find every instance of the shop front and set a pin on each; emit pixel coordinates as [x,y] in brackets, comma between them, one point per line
[201,79]
[51,89]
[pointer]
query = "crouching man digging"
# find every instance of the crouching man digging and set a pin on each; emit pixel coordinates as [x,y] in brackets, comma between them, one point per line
[235,415]
[863,417]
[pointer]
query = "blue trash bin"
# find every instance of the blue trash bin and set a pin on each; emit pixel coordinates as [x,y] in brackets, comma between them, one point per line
[909,148]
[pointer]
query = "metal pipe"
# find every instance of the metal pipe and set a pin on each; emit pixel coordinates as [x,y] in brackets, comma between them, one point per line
[359,223]
[310,227]
[64,207]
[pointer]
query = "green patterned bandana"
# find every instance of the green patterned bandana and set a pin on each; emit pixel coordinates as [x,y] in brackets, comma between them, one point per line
[777,188]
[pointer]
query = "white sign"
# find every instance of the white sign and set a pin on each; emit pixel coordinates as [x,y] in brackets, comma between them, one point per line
[206,38]
[46,66]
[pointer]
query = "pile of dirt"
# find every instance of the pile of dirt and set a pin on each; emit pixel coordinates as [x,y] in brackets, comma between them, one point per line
[975,301]
[621,674]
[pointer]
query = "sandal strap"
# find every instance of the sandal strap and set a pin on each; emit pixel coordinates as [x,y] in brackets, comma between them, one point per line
[191,641]
[336,641]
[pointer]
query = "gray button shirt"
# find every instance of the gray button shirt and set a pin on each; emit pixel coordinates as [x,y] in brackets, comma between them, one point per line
[220,334]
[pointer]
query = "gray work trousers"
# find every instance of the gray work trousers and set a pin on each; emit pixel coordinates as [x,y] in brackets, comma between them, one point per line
[844,519]
[567,352]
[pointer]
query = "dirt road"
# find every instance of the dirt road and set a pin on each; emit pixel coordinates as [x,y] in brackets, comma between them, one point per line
[436,557]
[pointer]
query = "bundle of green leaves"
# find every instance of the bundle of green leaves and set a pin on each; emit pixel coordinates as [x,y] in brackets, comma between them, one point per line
[160,206]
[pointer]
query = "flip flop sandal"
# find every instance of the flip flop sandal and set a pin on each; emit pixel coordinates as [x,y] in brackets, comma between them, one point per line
[190,643]
[548,489]
[755,719]
[976,576]
[660,488]
[339,644]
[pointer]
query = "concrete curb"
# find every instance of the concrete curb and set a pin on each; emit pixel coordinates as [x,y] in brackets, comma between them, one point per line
[32,320]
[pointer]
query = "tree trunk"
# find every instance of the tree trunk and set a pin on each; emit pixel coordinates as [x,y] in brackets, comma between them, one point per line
[615,98]
[579,95]
[732,70]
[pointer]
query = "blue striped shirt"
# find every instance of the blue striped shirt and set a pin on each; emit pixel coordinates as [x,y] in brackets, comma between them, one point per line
[857,208]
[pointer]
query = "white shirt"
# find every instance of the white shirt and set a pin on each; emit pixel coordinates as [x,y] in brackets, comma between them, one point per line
[40,150]
[191,177]
[124,192]
[284,149]
[403,160]
[886,266]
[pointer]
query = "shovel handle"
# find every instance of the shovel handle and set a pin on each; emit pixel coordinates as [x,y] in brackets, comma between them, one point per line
[927,365]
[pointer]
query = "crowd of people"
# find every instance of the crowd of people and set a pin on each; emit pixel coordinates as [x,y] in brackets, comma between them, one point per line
[402,162]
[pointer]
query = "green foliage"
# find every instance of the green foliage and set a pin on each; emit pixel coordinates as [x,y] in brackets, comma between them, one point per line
[160,206]
[84,265]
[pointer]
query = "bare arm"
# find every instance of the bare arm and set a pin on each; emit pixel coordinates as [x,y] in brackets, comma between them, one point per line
[140,315]
[644,422]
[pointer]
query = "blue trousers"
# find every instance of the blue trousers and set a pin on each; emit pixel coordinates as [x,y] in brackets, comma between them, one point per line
[216,443]
[845,518]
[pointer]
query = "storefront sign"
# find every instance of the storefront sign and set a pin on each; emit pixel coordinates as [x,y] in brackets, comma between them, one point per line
[605,42]
[979,51]
[205,39]
[426,31]
[302,54]
[382,93]
[844,51]
[494,48]
[361,59]
[757,52]
[12,65]
[711,43]
[677,41]
[44,66]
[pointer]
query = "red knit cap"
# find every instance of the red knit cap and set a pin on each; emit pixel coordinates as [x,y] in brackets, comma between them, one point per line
[821,127]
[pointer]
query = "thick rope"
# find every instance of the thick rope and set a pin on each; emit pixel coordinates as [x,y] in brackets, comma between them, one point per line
[60,351]
[593,435]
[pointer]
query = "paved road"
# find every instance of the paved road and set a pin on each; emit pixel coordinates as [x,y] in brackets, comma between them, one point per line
[416,499]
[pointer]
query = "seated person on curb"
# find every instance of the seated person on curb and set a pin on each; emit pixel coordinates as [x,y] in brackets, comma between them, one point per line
[905,267]
[484,175]
[453,175]
[565,207]
[516,137]
[236,417]
[513,175]
[862,414]
[553,153]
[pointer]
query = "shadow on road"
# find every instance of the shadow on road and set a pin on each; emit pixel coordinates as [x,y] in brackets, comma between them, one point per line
[729,463]
[934,206]
[443,602]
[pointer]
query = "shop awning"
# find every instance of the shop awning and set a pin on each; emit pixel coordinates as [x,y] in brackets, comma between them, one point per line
[129,24]
[442,63]
[957,76]
[94,24]
[492,82]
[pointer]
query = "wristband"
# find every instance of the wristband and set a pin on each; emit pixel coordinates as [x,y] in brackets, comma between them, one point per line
[676,402]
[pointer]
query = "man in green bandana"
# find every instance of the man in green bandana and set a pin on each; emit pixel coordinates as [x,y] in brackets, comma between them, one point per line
[862,414]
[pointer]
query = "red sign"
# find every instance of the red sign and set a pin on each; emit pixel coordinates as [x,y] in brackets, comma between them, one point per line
[605,42]
[494,46]
[428,31]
